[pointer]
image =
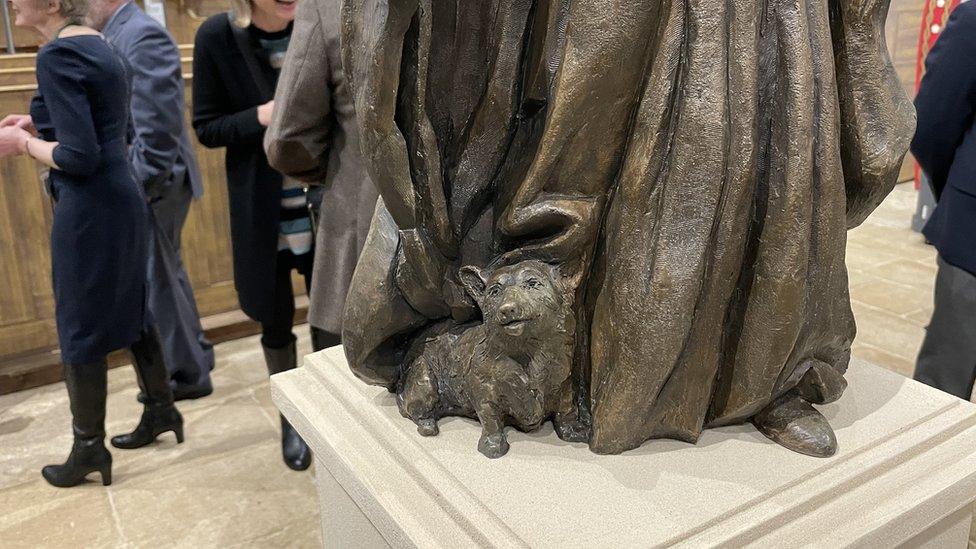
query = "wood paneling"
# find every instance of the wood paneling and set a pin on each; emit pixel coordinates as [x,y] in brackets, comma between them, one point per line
[24,40]
[26,301]
[183,17]
[901,33]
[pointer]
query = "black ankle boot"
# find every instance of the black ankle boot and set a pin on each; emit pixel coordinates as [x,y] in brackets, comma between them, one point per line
[88,455]
[295,452]
[86,392]
[156,420]
[159,415]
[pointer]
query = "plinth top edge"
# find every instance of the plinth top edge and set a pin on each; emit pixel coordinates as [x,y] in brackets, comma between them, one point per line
[733,487]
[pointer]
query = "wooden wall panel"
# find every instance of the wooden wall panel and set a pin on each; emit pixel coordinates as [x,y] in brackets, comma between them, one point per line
[206,236]
[901,31]
[24,40]
[26,300]
[183,17]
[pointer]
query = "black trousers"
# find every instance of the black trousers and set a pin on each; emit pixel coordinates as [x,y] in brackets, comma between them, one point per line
[276,331]
[947,360]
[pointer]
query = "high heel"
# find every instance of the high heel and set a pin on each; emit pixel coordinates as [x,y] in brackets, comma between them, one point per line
[87,456]
[156,420]
[106,473]
[159,415]
[86,385]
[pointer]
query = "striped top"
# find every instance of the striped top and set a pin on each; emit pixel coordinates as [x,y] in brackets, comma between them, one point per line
[295,227]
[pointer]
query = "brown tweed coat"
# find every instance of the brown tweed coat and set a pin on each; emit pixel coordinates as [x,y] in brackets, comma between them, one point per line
[313,137]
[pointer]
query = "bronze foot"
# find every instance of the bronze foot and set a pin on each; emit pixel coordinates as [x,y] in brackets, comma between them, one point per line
[428,427]
[793,423]
[493,446]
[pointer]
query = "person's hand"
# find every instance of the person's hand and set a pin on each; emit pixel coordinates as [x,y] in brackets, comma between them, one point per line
[264,113]
[13,141]
[21,121]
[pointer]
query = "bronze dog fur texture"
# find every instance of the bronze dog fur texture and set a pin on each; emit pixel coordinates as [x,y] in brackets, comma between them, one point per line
[512,369]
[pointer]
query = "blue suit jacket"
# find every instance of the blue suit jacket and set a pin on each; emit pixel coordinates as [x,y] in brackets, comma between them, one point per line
[161,152]
[945,142]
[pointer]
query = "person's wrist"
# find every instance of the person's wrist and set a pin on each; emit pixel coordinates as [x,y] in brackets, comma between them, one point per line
[25,145]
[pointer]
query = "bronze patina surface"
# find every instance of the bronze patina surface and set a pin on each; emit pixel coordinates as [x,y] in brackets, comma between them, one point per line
[680,175]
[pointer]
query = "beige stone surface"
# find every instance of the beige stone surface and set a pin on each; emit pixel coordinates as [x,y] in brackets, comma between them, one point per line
[907,461]
[226,486]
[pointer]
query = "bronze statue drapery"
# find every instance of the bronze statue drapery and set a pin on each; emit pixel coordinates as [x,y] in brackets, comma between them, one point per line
[690,167]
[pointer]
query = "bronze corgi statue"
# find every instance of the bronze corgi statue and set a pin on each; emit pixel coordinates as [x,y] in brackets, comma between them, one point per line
[512,369]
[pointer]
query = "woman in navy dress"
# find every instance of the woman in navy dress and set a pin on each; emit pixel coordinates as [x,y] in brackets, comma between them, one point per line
[78,126]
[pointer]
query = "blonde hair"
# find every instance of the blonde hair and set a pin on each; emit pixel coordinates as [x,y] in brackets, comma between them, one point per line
[240,12]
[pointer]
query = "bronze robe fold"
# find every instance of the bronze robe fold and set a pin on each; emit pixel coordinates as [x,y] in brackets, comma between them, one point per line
[692,166]
[764,130]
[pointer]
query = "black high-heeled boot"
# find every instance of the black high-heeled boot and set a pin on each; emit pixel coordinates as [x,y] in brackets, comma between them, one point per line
[159,415]
[86,392]
[295,452]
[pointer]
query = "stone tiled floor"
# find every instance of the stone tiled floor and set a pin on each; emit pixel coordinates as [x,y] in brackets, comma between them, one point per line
[226,485]
[892,274]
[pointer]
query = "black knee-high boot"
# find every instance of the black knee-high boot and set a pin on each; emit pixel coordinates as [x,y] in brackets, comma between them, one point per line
[159,415]
[295,452]
[86,392]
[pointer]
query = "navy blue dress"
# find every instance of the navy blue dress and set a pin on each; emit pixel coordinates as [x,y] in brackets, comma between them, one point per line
[99,241]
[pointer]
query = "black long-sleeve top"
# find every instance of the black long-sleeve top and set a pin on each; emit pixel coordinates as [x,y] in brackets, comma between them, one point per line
[225,101]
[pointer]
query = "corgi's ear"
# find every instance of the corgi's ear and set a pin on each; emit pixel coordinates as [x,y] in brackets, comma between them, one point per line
[474,280]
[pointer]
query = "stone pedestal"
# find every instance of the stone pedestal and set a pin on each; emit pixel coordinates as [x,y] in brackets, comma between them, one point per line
[905,474]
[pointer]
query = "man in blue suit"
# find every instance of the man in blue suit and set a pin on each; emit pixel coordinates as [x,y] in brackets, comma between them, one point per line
[945,146]
[162,160]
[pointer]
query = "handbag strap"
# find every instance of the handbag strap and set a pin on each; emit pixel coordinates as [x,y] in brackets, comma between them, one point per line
[250,58]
